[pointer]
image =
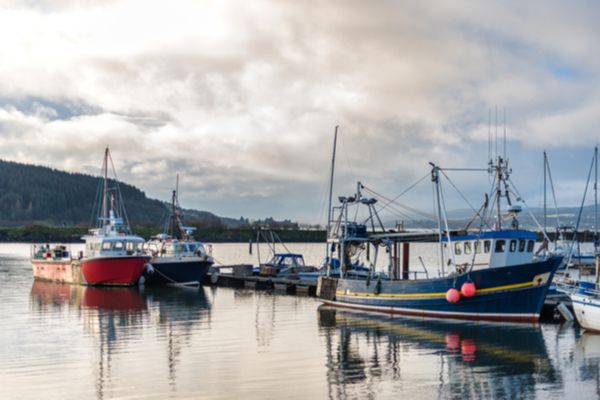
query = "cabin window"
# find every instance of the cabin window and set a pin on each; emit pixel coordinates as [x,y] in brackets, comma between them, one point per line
[467,247]
[530,246]
[129,246]
[106,245]
[513,246]
[118,246]
[477,244]
[521,245]
[500,244]
[486,246]
[457,249]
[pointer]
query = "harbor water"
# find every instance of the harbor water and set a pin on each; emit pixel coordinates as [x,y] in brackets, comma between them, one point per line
[73,342]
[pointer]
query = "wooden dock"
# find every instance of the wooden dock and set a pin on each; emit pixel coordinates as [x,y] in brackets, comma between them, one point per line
[240,276]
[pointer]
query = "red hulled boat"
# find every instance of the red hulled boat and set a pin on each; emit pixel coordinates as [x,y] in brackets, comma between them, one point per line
[112,256]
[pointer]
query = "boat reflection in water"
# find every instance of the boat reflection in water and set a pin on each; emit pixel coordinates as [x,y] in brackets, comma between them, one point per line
[118,319]
[369,353]
[176,312]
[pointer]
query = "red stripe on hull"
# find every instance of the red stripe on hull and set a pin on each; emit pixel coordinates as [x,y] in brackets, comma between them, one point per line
[423,313]
[55,271]
[122,271]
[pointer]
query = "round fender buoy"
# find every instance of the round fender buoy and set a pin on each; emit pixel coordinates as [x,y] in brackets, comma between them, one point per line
[468,289]
[452,295]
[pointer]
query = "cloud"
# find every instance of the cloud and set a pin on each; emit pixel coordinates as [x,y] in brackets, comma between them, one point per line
[241,97]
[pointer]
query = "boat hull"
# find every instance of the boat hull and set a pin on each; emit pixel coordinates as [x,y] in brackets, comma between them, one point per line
[587,311]
[178,271]
[62,271]
[513,293]
[113,271]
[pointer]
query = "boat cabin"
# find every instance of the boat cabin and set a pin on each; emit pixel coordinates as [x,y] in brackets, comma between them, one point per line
[113,239]
[492,248]
[281,262]
[177,248]
[113,246]
[286,260]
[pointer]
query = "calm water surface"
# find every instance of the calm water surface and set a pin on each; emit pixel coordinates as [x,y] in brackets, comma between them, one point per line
[67,342]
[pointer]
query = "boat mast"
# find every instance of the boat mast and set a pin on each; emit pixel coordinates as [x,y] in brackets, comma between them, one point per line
[545,209]
[498,193]
[442,215]
[328,250]
[596,200]
[173,215]
[435,179]
[104,212]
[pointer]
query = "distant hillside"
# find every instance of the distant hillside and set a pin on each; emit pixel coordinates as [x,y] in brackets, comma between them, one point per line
[39,195]
[567,216]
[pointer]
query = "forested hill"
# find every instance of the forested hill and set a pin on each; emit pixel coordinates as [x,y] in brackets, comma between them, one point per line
[39,195]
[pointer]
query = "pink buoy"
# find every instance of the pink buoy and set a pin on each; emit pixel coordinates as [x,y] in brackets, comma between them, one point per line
[468,348]
[468,289]
[452,342]
[452,295]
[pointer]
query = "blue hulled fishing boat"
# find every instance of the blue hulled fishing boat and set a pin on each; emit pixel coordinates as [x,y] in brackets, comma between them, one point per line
[489,273]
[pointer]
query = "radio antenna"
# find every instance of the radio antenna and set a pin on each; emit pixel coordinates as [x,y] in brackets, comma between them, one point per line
[505,133]
[496,131]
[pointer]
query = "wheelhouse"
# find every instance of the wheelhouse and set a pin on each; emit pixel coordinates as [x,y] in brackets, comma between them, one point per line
[114,246]
[491,249]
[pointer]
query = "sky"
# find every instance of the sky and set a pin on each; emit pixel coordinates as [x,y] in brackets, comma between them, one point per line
[241,98]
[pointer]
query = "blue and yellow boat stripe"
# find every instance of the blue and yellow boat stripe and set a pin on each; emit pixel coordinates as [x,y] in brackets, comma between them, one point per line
[343,293]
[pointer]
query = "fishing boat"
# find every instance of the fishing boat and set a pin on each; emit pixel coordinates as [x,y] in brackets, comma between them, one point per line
[177,260]
[112,255]
[488,273]
[585,295]
[586,304]
[54,264]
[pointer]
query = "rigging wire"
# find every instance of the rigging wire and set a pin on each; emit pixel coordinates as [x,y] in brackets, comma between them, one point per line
[121,202]
[418,223]
[459,192]
[587,183]
[520,198]
[404,192]
[414,210]
[97,198]
[553,192]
